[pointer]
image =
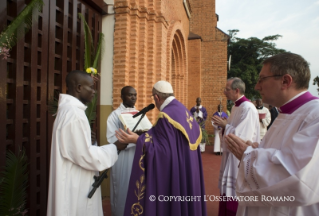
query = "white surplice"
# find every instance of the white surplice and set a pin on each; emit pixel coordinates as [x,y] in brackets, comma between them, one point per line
[264,122]
[121,171]
[243,122]
[285,165]
[217,143]
[74,162]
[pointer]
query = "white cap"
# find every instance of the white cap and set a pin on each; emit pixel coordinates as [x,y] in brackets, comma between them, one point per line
[163,87]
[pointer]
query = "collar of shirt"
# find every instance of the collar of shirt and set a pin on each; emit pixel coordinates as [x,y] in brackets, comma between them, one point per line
[260,107]
[166,102]
[240,100]
[296,102]
[64,98]
[198,107]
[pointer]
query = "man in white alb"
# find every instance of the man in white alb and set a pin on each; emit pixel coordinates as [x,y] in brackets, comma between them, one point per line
[121,171]
[74,160]
[282,172]
[243,122]
[264,117]
[217,145]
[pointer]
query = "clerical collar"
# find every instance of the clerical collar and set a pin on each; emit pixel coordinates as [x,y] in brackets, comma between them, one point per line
[261,107]
[296,102]
[240,100]
[166,102]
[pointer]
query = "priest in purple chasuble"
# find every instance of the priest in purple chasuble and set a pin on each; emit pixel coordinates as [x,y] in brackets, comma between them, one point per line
[244,122]
[167,173]
[282,172]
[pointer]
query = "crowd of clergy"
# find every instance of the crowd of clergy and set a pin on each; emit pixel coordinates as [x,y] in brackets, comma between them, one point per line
[268,154]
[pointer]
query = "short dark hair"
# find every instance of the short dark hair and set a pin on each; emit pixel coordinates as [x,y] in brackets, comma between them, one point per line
[124,89]
[237,84]
[73,77]
[293,64]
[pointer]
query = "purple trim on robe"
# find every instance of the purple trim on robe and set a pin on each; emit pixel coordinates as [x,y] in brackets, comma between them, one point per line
[240,101]
[227,208]
[296,103]
[170,169]
[204,111]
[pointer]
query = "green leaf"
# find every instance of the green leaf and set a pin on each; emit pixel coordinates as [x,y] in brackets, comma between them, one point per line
[99,50]
[91,110]
[11,34]
[88,43]
[13,187]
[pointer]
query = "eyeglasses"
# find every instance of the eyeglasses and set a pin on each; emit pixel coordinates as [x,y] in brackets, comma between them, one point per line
[260,79]
[226,89]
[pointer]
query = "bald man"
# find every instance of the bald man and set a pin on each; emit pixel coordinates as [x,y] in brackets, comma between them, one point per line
[74,160]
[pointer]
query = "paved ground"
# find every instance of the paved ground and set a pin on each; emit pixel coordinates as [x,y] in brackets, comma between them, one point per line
[211,164]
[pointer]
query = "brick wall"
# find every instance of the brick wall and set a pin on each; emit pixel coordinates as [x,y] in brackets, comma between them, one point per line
[213,69]
[146,35]
[194,71]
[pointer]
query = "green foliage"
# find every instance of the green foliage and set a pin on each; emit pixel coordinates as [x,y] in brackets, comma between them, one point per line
[11,34]
[91,110]
[90,52]
[247,57]
[13,185]
[316,82]
[205,135]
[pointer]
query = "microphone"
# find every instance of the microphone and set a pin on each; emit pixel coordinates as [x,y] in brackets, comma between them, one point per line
[144,110]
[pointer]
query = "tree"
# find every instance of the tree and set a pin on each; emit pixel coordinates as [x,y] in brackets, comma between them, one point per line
[247,56]
[316,82]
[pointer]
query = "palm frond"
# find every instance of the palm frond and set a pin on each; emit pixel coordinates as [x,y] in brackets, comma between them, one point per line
[13,186]
[99,50]
[91,110]
[10,35]
[88,42]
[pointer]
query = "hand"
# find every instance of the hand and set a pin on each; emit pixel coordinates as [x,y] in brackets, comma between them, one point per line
[128,137]
[221,122]
[93,137]
[237,146]
[120,146]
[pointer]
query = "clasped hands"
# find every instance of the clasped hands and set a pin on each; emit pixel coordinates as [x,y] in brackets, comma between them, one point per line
[237,146]
[221,122]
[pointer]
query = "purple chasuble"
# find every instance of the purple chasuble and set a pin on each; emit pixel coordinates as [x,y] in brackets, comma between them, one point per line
[296,103]
[167,173]
[241,100]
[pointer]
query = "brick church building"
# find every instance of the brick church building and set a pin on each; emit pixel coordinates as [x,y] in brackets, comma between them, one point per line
[145,41]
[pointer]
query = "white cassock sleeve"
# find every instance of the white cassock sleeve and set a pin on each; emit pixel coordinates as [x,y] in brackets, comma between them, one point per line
[266,121]
[75,146]
[246,125]
[289,170]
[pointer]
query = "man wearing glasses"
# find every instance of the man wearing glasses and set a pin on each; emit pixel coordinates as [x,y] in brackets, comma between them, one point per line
[243,122]
[281,172]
